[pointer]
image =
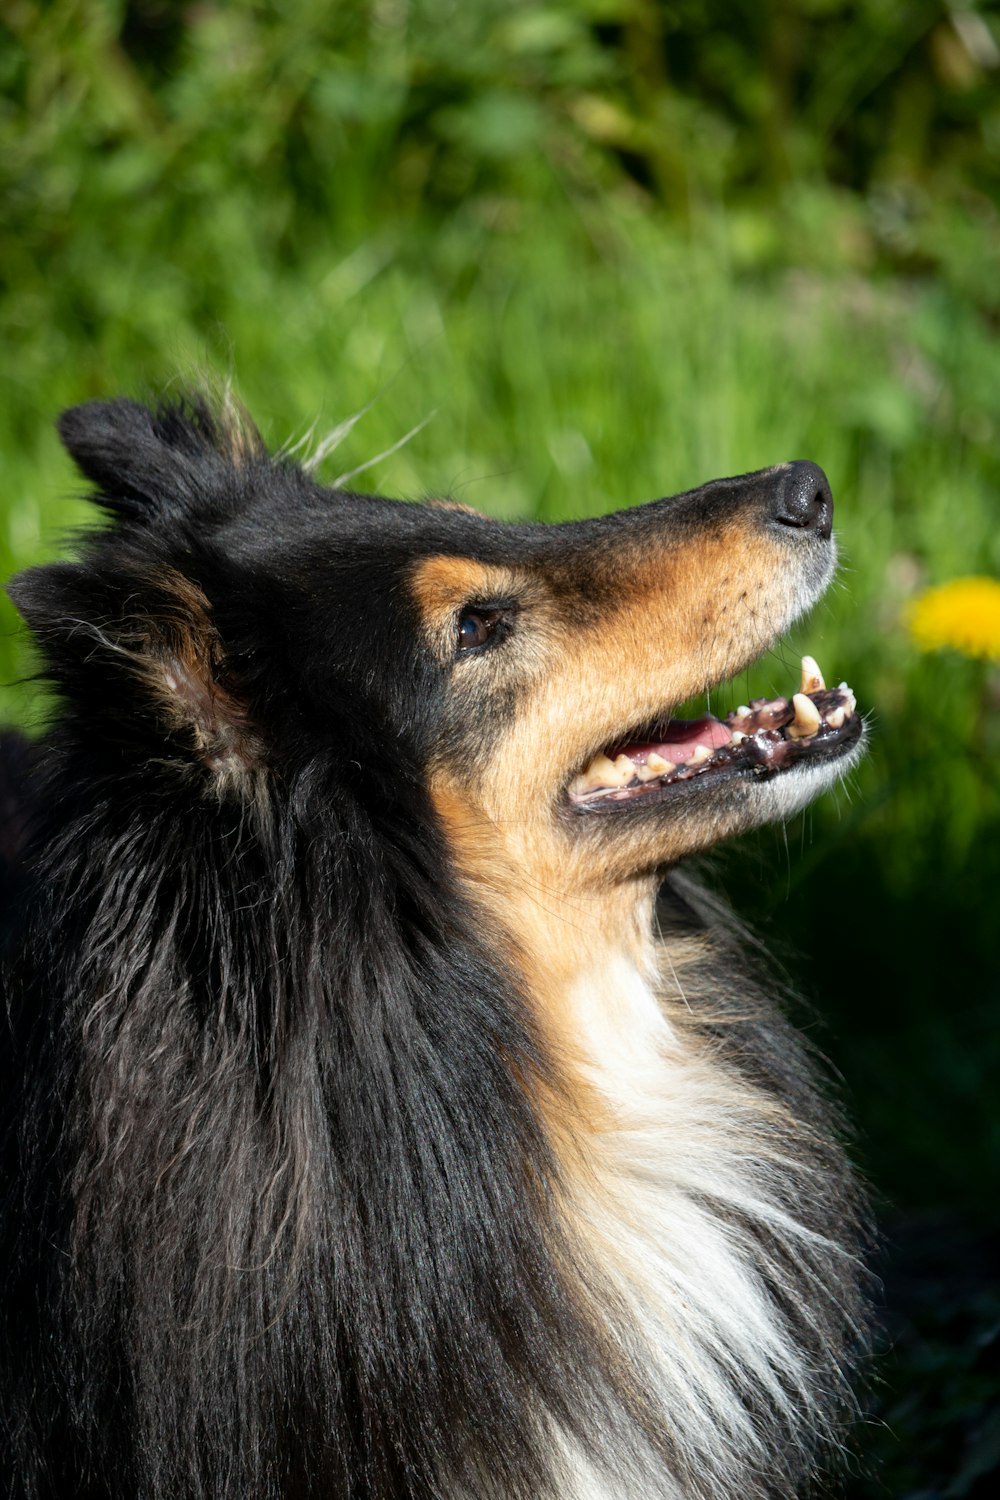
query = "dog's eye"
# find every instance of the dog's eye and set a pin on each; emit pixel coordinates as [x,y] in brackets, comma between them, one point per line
[476,627]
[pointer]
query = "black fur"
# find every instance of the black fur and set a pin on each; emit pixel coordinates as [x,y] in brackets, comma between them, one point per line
[17,759]
[256,1043]
[278,1215]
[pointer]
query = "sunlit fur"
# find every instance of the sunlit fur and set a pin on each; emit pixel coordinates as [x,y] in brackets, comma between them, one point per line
[375,1124]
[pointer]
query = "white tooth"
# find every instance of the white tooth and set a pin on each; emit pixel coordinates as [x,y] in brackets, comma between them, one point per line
[851,703]
[739,737]
[658,765]
[836,718]
[625,768]
[743,712]
[600,772]
[699,755]
[812,677]
[807,719]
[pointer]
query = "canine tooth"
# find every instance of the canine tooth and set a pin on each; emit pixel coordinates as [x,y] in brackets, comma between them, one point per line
[812,677]
[699,755]
[739,737]
[743,712]
[835,718]
[850,705]
[658,765]
[807,719]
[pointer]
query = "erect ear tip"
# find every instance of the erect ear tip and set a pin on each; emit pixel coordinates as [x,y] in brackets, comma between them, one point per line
[148,461]
[114,445]
[93,426]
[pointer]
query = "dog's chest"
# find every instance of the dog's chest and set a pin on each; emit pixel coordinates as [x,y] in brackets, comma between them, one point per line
[671,1209]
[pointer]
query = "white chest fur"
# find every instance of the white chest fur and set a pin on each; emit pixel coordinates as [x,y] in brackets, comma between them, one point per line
[686,1210]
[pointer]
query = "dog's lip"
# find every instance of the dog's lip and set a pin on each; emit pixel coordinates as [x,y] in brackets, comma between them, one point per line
[761,739]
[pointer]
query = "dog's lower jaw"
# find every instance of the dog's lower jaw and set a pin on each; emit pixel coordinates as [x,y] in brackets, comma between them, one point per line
[753,802]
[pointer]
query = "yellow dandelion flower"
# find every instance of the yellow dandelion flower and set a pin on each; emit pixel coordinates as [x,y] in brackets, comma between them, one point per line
[963,615]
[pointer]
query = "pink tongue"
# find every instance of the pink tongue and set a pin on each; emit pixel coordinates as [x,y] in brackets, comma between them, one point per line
[684,735]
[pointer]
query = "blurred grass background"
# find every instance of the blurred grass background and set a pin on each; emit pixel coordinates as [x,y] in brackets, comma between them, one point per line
[611,248]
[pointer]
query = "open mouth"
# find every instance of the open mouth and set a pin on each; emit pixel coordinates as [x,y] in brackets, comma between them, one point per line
[760,739]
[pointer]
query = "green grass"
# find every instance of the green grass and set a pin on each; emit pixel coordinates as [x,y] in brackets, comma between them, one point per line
[563,381]
[338,215]
[610,249]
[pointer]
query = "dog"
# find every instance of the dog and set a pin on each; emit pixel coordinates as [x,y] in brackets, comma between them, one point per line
[386,1111]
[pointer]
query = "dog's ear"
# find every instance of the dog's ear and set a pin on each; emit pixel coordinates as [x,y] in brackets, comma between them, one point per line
[135,650]
[148,462]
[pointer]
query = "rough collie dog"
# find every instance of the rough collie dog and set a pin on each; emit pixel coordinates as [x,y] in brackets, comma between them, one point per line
[385,1113]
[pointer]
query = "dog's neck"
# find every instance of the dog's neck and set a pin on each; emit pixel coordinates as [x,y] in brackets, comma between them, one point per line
[585,952]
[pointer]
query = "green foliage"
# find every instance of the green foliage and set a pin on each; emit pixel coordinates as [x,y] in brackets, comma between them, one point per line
[616,247]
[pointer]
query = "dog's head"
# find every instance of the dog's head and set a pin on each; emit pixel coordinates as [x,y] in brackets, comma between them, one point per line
[237,619]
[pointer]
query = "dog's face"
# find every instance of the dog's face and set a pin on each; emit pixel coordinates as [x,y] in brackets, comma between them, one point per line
[568,647]
[525,674]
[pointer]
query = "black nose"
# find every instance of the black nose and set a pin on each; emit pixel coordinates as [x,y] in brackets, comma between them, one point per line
[802,498]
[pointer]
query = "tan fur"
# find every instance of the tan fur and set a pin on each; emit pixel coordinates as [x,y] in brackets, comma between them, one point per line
[676,619]
[179,656]
[675,1167]
[238,438]
[468,510]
